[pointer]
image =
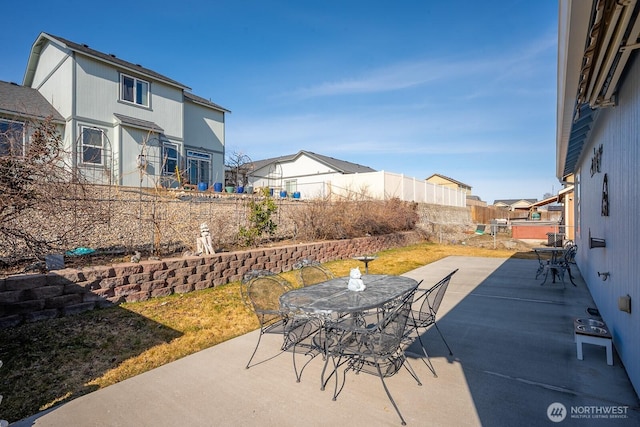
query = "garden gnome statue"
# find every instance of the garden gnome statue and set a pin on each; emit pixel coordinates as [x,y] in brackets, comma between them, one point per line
[355,280]
[204,241]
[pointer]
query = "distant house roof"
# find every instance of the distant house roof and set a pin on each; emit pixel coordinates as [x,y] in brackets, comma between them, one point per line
[547,201]
[454,181]
[339,165]
[25,102]
[510,202]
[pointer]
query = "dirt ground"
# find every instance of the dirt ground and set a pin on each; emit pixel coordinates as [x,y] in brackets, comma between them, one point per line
[500,241]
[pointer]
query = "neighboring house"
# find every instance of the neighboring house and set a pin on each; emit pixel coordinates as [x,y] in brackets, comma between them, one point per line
[309,175]
[20,108]
[445,181]
[304,172]
[126,124]
[598,123]
[514,204]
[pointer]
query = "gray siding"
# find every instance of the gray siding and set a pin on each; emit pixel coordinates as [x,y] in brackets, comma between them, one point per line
[86,92]
[618,130]
[54,79]
[204,129]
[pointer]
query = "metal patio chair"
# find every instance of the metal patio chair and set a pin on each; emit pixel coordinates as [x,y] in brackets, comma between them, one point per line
[261,291]
[371,343]
[559,265]
[311,272]
[429,301]
[566,262]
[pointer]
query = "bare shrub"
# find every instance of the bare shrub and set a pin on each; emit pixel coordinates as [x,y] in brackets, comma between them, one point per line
[324,219]
[38,188]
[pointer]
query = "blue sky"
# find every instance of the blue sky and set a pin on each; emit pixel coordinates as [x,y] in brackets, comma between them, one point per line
[466,89]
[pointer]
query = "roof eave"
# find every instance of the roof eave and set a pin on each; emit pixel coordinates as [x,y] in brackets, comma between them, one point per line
[44,37]
[573,28]
[34,56]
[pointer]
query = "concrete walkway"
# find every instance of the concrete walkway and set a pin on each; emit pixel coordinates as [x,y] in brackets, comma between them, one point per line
[514,356]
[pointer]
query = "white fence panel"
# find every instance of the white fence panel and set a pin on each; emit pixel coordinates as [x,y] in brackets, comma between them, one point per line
[386,185]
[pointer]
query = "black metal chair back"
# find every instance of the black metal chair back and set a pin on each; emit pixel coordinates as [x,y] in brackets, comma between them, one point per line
[371,348]
[570,255]
[312,272]
[430,301]
[432,298]
[261,291]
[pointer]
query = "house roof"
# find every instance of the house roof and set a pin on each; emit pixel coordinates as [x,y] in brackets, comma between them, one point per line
[199,100]
[510,202]
[543,202]
[25,102]
[84,49]
[112,59]
[138,123]
[595,42]
[562,193]
[460,184]
[339,165]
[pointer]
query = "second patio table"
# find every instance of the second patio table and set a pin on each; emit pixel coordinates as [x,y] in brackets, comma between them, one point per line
[333,296]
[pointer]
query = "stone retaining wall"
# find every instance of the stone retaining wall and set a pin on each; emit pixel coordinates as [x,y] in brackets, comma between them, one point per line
[33,297]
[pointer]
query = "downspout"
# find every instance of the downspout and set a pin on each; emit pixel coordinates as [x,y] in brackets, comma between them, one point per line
[74,124]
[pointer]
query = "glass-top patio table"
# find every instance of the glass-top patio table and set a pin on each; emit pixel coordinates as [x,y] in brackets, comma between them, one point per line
[551,258]
[333,296]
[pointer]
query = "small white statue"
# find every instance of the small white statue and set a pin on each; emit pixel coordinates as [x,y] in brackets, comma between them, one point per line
[204,241]
[355,280]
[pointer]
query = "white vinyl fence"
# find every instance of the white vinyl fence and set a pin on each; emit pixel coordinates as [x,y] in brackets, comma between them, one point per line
[385,185]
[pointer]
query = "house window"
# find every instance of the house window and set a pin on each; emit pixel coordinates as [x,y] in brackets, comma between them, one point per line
[199,165]
[169,158]
[291,186]
[12,138]
[134,90]
[92,145]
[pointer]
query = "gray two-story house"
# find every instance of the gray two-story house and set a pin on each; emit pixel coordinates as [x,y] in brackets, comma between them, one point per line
[126,124]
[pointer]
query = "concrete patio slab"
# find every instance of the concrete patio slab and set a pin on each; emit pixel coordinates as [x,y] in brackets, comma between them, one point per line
[514,363]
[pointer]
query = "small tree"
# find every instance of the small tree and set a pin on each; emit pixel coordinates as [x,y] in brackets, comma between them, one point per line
[42,199]
[239,165]
[260,220]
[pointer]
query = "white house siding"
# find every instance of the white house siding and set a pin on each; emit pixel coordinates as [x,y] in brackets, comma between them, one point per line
[304,175]
[132,146]
[55,87]
[167,109]
[618,130]
[204,130]
[95,81]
